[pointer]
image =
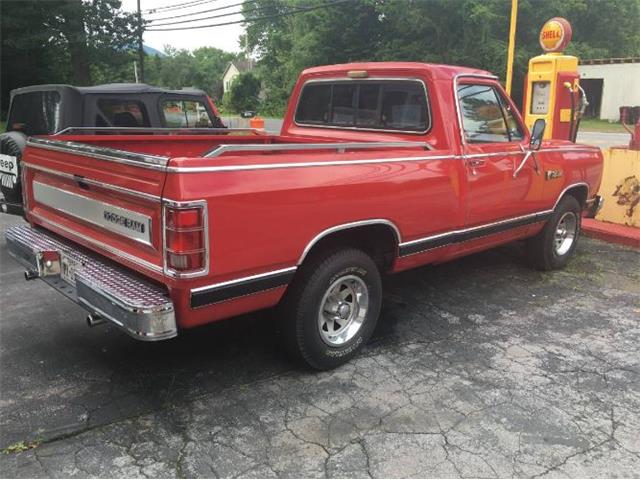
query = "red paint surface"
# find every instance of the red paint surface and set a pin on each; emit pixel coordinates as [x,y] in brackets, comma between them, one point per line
[261,220]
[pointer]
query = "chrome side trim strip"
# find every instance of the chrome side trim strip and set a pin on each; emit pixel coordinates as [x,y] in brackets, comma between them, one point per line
[221,292]
[229,283]
[96,183]
[372,161]
[462,235]
[152,162]
[271,166]
[96,243]
[346,226]
[569,187]
[341,147]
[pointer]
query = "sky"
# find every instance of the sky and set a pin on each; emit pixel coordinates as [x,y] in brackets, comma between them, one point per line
[225,38]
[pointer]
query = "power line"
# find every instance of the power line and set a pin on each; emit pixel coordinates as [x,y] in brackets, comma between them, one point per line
[203,11]
[208,18]
[177,6]
[247,20]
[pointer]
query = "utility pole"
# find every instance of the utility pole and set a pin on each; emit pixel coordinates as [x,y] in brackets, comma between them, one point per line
[140,47]
[512,44]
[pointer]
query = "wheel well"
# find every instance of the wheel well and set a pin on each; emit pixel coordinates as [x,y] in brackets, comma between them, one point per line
[379,241]
[580,193]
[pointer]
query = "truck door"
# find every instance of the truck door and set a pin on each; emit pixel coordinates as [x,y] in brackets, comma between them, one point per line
[494,142]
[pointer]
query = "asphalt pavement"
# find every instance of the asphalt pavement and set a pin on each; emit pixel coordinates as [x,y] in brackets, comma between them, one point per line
[480,367]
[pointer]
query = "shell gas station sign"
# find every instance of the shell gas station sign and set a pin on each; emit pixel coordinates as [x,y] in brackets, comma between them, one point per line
[555,35]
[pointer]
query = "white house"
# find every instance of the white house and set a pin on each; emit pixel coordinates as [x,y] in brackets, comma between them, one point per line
[610,83]
[234,69]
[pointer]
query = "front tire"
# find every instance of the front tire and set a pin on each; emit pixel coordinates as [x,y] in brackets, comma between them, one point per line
[552,248]
[332,308]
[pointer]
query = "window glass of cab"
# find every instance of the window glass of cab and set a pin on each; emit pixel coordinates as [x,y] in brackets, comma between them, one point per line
[119,112]
[513,127]
[486,117]
[314,104]
[185,114]
[372,104]
[404,106]
[343,109]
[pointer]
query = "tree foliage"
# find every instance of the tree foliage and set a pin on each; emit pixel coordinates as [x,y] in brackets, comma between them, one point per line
[244,93]
[61,41]
[84,42]
[464,32]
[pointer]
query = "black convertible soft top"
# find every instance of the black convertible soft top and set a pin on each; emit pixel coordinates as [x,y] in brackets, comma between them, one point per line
[108,88]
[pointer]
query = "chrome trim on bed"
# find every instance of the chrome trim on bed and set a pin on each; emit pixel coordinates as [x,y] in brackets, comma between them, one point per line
[346,226]
[68,130]
[96,183]
[152,162]
[341,147]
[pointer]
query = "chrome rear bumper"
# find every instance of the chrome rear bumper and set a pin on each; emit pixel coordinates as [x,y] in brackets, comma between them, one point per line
[142,309]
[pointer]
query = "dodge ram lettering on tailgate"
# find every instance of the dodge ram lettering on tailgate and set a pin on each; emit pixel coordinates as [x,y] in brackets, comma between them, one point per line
[380,167]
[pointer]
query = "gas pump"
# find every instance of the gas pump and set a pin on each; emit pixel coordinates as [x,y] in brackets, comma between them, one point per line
[552,85]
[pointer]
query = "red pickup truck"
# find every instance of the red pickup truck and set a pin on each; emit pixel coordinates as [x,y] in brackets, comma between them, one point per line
[380,167]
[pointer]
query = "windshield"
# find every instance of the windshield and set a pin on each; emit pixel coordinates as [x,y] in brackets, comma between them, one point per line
[35,113]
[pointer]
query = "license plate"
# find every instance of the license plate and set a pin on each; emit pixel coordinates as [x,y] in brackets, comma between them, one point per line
[8,164]
[68,268]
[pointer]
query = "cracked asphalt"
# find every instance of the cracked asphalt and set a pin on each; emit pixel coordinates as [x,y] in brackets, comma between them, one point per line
[479,368]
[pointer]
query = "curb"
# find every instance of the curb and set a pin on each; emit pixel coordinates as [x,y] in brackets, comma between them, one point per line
[611,232]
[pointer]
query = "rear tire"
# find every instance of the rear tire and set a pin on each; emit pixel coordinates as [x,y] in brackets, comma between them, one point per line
[12,144]
[552,248]
[331,310]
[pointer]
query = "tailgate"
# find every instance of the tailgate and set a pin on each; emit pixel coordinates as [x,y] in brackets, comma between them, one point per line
[105,199]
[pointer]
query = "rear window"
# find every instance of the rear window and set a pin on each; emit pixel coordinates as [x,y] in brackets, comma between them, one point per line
[374,104]
[35,113]
[186,114]
[119,112]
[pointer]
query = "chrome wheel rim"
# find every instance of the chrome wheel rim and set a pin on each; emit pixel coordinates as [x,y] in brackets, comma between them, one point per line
[343,310]
[565,234]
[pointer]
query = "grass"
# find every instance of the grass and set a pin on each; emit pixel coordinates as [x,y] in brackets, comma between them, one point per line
[595,125]
[2,125]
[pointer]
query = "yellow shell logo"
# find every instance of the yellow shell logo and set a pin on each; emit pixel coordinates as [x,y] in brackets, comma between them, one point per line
[555,35]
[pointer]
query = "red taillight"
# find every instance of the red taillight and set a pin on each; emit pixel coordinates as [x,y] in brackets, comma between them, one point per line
[185,239]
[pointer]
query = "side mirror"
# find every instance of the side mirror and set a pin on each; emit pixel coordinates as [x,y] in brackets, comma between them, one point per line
[537,132]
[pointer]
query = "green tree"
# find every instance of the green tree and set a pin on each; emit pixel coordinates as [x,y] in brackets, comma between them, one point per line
[202,68]
[61,41]
[244,93]
[464,32]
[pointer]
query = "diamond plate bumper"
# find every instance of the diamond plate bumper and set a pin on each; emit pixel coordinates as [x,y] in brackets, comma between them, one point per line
[142,309]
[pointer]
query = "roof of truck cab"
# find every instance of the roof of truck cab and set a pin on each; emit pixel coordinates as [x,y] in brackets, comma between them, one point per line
[109,88]
[435,70]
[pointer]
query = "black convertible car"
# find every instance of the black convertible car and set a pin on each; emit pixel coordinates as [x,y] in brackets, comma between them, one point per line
[111,108]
